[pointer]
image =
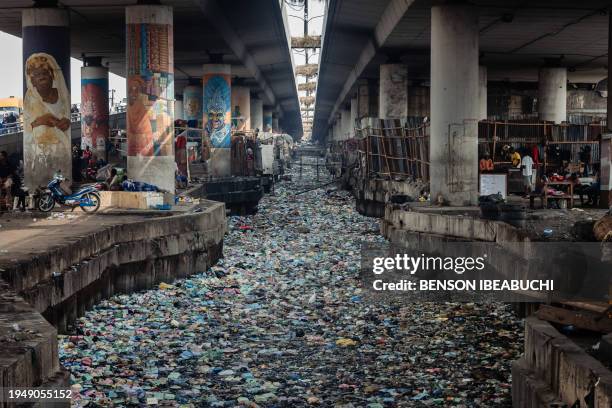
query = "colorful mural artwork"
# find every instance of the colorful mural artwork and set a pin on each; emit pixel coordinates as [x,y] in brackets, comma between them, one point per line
[150,112]
[241,103]
[46,111]
[267,121]
[192,105]
[94,113]
[217,109]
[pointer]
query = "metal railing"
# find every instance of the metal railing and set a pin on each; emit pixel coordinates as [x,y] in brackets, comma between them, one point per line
[12,128]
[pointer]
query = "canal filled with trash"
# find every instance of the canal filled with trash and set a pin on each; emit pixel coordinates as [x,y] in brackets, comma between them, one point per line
[281,321]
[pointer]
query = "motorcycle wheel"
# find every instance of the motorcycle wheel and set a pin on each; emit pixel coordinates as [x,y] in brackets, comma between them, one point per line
[46,202]
[95,200]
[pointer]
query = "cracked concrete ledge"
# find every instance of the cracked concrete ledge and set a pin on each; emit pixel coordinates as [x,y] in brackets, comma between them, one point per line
[554,369]
[371,195]
[120,258]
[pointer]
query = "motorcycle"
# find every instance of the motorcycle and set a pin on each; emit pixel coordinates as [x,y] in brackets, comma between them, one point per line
[87,198]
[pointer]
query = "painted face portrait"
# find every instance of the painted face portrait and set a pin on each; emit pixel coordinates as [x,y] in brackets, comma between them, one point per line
[217,111]
[216,118]
[192,107]
[134,89]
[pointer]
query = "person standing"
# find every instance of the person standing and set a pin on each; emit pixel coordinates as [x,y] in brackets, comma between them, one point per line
[527,166]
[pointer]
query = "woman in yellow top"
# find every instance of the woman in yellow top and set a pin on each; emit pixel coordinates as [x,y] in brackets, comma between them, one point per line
[515,157]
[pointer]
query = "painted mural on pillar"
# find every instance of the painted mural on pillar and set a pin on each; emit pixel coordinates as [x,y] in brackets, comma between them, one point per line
[217,110]
[94,113]
[192,105]
[150,126]
[46,112]
[267,122]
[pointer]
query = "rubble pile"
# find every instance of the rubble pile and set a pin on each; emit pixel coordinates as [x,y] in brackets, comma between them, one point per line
[281,321]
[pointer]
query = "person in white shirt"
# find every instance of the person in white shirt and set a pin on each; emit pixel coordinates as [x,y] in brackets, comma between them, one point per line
[527,166]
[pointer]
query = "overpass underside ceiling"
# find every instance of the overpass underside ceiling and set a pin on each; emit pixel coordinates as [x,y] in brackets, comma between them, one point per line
[253,42]
[516,38]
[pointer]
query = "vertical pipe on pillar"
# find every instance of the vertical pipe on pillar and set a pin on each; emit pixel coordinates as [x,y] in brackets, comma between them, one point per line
[94,109]
[482,92]
[267,120]
[217,119]
[256,114]
[393,101]
[454,104]
[150,83]
[46,102]
[552,94]
[241,108]
[192,105]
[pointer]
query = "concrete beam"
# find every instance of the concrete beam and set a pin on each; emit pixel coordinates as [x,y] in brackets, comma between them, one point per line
[211,8]
[387,23]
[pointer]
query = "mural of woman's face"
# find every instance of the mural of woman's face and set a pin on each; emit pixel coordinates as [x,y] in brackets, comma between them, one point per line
[42,79]
[216,119]
[133,92]
[192,107]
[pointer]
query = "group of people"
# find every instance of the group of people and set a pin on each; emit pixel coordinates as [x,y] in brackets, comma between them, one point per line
[85,164]
[534,176]
[11,183]
[9,121]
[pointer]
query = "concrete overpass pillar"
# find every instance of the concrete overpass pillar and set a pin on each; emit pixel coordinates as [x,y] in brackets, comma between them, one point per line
[241,108]
[46,104]
[94,107]
[150,82]
[418,101]
[178,110]
[217,117]
[257,114]
[346,123]
[605,171]
[192,105]
[552,94]
[354,112]
[267,120]
[393,100]
[482,92]
[454,104]
[275,125]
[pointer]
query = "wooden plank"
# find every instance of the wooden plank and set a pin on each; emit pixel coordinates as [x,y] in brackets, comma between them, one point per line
[593,307]
[580,319]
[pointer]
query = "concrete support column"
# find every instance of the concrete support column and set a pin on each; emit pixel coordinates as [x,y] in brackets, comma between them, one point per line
[94,108]
[605,172]
[482,92]
[393,100]
[150,82]
[267,120]
[192,105]
[257,114]
[363,101]
[345,117]
[418,101]
[354,113]
[46,102]
[552,94]
[241,108]
[454,104]
[217,118]
[178,109]
[275,125]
